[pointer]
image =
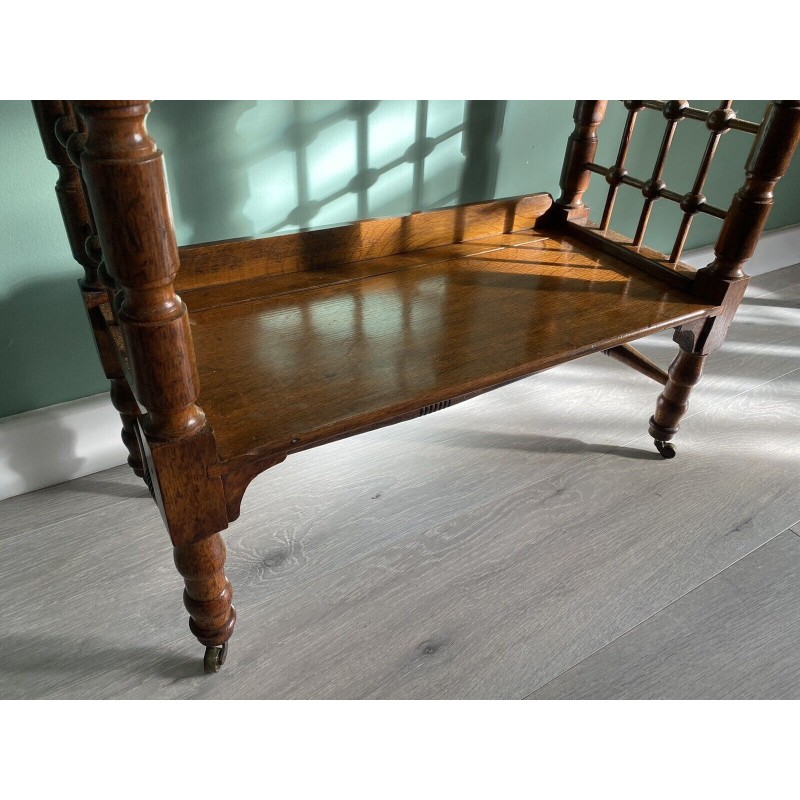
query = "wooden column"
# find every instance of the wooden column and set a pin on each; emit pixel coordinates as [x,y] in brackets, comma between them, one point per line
[768,161]
[124,175]
[57,124]
[673,402]
[208,593]
[581,147]
[52,114]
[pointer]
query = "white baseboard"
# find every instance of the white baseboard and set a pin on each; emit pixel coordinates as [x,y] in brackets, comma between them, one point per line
[65,441]
[58,443]
[776,250]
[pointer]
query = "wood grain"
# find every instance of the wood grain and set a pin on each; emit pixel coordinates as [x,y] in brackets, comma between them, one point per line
[245,291]
[641,257]
[242,259]
[736,637]
[285,373]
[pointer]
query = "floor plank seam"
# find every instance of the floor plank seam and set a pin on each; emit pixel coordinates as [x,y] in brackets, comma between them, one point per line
[791,287]
[66,520]
[447,520]
[608,644]
[742,393]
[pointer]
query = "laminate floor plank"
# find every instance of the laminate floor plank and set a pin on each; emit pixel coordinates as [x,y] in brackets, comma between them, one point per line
[774,281]
[62,502]
[499,601]
[735,637]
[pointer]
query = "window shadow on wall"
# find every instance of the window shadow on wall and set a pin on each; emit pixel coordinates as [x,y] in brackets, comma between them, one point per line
[213,167]
[206,166]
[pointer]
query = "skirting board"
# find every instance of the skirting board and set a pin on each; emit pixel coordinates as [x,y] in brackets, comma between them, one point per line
[58,443]
[776,250]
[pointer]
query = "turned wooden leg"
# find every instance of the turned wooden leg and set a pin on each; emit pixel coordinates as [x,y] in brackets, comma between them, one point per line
[673,402]
[207,596]
[123,400]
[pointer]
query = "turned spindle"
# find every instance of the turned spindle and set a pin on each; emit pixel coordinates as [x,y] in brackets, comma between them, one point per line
[58,126]
[208,593]
[673,402]
[56,120]
[123,171]
[581,147]
[121,164]
[768,161]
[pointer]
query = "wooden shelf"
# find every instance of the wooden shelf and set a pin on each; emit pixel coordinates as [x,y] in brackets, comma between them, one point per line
[288,361]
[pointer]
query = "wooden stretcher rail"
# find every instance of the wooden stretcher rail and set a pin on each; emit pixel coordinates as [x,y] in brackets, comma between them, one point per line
[667,194]
[645,258]
[702,116]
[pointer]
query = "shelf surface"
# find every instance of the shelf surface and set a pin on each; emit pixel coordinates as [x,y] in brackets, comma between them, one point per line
[292,360]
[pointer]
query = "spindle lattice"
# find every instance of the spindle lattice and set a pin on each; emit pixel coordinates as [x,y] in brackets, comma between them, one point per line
[718,121]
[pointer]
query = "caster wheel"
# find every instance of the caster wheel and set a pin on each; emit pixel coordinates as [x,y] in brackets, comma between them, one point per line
[667,449]
[214,658]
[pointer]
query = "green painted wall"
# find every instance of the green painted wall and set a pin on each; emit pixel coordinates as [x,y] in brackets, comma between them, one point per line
[245,168]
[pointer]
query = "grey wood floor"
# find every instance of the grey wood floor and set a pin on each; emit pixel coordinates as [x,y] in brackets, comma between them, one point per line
[527,543]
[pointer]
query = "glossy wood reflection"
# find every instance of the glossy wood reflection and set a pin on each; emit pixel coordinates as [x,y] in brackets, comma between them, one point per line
[284,372]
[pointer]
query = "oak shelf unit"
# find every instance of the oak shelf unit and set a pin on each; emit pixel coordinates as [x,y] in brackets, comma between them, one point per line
[226,357]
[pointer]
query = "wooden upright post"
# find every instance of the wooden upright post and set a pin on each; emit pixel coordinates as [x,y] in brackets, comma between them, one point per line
[124,175]
[57,124]
[768,161]
[581,147]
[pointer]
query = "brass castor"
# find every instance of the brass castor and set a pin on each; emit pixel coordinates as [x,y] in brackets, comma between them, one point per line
[667,449]
[214,658]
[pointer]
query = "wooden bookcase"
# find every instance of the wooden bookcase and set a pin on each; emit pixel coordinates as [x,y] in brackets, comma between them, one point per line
[280,344]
